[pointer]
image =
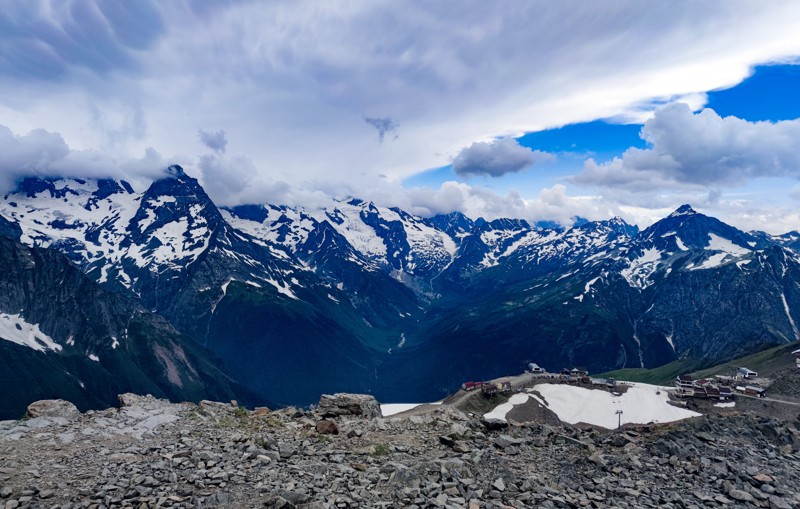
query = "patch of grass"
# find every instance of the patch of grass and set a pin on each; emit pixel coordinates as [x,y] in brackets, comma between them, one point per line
[661,375]
[765,362]
[240,412]
[380,450]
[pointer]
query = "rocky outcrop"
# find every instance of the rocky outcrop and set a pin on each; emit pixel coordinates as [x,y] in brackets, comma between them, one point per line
[152,453]
[362,405]
[53,408]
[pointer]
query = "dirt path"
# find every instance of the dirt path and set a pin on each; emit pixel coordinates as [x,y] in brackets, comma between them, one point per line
[459,398]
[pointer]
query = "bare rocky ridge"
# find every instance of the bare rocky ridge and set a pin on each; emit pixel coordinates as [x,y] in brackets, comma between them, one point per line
[152,453]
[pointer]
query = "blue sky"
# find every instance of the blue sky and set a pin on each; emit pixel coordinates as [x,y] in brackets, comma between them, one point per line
[527,109]
[769,94]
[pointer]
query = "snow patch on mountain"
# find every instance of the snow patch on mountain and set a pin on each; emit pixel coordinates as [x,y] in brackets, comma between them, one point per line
[78,220]
[14,328]
[346,219]
[725,251]
[284,226]
[717,243]
[639,270]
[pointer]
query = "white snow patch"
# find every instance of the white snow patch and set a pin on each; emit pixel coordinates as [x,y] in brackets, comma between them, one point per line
[162,200]
[713,261]
[680,244]
[588,285]
[14,328]
[640,269]
[94,357]
[501,411]
[395,408]
[717,243]
[114,343]
[640,404]
[669,340]
[789,316]
[282,288]
[334,299]
[728,404]
[568,274]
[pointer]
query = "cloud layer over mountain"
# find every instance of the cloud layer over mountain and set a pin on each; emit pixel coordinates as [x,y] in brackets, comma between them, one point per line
[297,98]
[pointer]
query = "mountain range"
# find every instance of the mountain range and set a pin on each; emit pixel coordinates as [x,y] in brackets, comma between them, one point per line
[109,289]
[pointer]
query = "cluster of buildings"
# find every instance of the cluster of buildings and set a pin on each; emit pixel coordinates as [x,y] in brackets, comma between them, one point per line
[487,388]
[719,387]
[688,387]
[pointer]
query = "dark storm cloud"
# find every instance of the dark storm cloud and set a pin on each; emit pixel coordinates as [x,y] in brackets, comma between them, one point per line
[383,126]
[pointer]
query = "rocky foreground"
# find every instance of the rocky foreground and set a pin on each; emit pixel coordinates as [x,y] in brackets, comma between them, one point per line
[152,453]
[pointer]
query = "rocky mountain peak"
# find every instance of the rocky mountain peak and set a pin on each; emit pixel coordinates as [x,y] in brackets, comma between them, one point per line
[683,210]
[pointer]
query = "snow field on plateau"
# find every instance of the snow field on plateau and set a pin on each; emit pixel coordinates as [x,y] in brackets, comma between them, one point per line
[640,404]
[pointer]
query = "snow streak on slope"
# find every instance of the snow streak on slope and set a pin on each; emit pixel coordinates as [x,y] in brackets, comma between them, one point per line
[14,328]
[789,316]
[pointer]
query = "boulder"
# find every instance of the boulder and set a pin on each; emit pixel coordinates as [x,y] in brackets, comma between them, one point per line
[326,427]
[494,424]
[362,405]
[53,408]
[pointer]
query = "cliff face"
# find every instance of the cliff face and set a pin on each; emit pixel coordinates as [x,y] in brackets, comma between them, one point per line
[67,337]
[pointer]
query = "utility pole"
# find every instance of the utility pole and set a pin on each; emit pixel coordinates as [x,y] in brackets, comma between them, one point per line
[619,418]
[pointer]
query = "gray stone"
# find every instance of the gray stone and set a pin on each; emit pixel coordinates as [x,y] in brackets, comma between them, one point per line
[53,408]
[287,450]
[494,424]
[338,404]
[741,496]
[499,484]
[778,503]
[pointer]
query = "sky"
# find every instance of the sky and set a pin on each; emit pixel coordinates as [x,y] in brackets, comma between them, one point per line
[533,109]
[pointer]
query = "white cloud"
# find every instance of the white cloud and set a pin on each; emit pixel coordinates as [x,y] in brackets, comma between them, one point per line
[496,158]
[46,153]
[701,150]
[293,81]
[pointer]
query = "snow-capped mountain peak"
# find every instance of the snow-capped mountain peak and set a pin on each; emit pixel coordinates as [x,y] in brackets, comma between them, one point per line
[683,210]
